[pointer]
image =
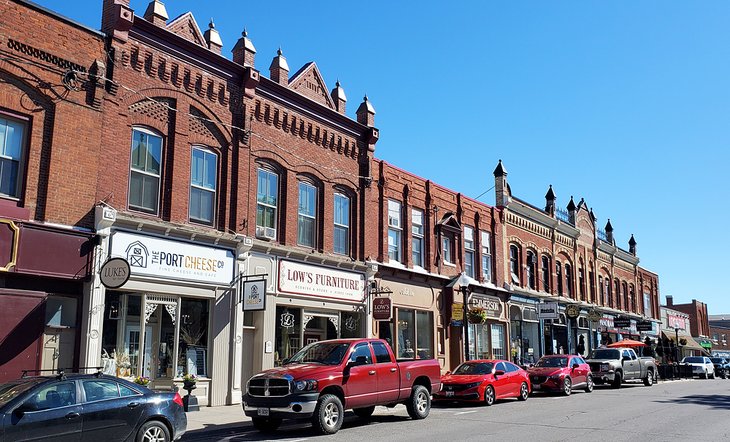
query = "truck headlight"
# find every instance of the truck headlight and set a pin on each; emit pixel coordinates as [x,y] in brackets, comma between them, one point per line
[307,385]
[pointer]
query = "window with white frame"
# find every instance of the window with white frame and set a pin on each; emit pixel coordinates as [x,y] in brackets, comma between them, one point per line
[417,237]
[12,135]
[546,273]
[203,183]
[267,203]
[307,215]
[569,280]
[342,225]
[395,227]
[447,249]
[647,304]
[531,263]
[514,264]
[486,246]
[146,169]
[469,251]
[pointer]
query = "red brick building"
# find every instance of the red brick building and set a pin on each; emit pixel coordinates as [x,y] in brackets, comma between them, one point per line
[698,320]
[50,132]
[719,332]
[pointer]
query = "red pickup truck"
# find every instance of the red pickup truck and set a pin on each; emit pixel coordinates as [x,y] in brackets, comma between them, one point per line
[325,378]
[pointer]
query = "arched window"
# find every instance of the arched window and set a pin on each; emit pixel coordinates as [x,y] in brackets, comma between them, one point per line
[531,263]
[146,171]
[307,225]
[546,273]
[581,283]
[559,277]
[627,301]
[609,295]
[514,263]
[569,280]
[617,287]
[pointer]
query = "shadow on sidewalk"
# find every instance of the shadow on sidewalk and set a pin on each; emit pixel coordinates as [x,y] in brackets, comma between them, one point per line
[719,401]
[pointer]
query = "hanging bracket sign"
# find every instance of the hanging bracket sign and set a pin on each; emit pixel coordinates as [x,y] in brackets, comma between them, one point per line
[115,273]
[382,309]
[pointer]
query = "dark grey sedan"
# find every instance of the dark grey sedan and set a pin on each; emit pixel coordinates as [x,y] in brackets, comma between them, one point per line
[85,407]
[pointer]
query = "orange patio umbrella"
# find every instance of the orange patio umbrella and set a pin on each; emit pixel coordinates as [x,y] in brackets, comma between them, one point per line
[627,343]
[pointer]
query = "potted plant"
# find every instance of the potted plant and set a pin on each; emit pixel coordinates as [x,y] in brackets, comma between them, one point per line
[189,381]
[142,380]
[477,316]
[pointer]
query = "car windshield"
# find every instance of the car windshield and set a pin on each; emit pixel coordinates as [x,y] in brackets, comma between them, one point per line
[717,360]
[552,362]
[605,354]
[328,353]
[470,368]
[694,360]
[11,390]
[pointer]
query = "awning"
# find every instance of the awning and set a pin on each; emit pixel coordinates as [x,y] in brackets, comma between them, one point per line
[706,344]
[691,343]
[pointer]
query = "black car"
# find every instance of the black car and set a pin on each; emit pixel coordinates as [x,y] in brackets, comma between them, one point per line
[87,407]
[722,367]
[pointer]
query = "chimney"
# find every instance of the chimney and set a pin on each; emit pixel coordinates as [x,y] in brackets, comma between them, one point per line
[632,245]
[500,185]
[366,113]
[338,96]
[670,301]
[571,210]
[156,13]
[279,69]
[550,201]
[244,52]
[609,232]
[116,19]
[213,38]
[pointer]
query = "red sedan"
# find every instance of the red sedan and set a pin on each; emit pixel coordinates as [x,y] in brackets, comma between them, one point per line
[484,381]
[561,373]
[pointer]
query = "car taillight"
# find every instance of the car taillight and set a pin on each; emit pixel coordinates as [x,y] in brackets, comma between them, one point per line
[177,399]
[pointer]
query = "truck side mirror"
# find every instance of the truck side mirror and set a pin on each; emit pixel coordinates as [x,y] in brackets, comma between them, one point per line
[360,360]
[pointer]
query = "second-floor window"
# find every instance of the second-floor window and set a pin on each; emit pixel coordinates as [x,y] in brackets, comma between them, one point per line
[203,177]
[267,203]
[447,249]
[394,230]
[307,215]
[592,288]
[514,264]
[341,244]
[559,277]
[531,262]
[486,246]
[146,169]
[647,305]
[581,284]
[545,273]
[569,280]
[12,134]
[417,237]
[469,251]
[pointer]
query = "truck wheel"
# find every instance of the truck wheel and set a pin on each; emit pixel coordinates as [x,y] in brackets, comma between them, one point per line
[419,404]
[567,386]
[328,414]
[266,424]
[489,395]
[524,392]
[617,379]
[649,379]
[364,412]
[589,383]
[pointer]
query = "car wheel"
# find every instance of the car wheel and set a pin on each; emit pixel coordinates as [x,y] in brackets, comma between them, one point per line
[328,414]
[724,375]
[489,395]
[649,379]
[266,424]
[567,386]
[712,375]
[419,404]
[364,412]
[153,431]
[704,375]
[589,383]
[617,379]
[524,392]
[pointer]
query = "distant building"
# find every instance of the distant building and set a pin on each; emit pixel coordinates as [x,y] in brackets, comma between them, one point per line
[699,327]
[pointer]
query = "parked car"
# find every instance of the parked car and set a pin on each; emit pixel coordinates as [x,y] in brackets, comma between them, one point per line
[562,373]
[325,378]
[484,381]
[618,365]
[87,407]
[702,366]
[722,367]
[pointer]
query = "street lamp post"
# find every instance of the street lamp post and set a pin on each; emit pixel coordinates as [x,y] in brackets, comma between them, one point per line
[463,282]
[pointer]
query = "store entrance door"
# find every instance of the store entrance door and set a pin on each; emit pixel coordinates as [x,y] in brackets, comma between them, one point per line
[58,348]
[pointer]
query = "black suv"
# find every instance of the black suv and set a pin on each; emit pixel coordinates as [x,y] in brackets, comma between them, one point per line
[722,367]
[90,407]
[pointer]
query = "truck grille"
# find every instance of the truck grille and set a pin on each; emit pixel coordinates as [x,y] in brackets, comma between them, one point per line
[268,387]
[595,366]
[538,379]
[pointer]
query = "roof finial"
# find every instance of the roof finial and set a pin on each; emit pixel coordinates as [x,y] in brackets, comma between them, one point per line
[279,52]
[337,83]
[244,34]
[211,25]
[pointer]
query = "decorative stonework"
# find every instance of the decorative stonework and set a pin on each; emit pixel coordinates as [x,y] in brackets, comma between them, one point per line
[527,225]
[157,109]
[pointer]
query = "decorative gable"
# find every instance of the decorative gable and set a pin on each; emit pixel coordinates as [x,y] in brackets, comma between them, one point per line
[449,222]
[186,27]
[308,82]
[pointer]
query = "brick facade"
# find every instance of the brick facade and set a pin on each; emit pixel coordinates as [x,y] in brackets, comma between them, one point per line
[697,311]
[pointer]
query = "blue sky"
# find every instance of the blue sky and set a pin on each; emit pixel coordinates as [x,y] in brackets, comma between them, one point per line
[622,103]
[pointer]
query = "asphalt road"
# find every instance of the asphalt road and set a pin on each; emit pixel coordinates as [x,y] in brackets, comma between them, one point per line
[677,410]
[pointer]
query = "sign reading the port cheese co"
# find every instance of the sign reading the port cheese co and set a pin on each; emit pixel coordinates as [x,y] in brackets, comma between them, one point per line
[321,282]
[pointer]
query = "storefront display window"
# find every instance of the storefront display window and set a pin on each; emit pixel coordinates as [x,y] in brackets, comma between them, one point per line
[288,333]
[193,342]
[414,339]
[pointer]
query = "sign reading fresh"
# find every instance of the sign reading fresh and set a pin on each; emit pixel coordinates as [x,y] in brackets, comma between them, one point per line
[324,282]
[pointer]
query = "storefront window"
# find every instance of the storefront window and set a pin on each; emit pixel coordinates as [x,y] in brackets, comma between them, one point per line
[128,359]
[415,334]
[424,339]
[498,341]
[406,334]
[288,333]
[193,342]
[352,325]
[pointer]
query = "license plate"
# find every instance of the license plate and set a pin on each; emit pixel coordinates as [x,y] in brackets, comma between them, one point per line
[263,412]
[536,387]
[449,393]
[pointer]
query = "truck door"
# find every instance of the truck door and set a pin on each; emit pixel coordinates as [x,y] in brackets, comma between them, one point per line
[630,365]
[359,378]
[387,373]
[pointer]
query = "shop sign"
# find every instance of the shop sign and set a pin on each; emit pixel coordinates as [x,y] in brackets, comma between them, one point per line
[490,304]
[382,309]
[645,326]
[594,315]
[572,311]
[621,322]
[675,321]
[163,258]
[548,310]
[606,321]
[457,314]
[254,295]
[114,273]
[321,282]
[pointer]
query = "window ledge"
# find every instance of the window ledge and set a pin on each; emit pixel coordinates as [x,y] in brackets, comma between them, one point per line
[449,264]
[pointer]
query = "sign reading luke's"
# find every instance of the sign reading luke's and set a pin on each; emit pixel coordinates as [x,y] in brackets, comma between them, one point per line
[114,273]
[321,282]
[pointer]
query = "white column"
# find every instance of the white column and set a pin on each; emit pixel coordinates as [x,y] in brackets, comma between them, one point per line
[92,319]
[236,370]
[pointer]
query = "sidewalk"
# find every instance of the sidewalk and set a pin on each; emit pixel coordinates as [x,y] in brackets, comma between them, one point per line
[218,417]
